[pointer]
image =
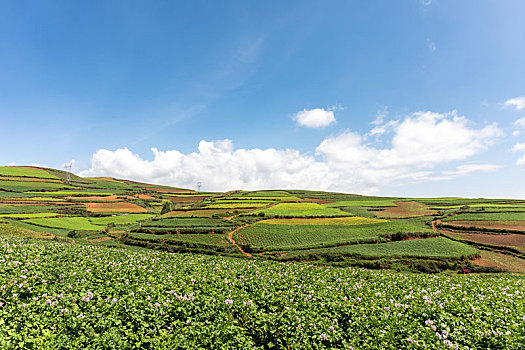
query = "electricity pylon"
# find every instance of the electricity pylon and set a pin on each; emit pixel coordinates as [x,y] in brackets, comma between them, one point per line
[68,173]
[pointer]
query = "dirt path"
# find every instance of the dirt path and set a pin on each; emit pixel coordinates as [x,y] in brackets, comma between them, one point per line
[230,237]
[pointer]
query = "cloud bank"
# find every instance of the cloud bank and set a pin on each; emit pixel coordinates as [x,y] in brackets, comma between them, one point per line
[419,146]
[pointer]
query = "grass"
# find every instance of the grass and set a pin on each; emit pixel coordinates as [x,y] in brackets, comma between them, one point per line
[301,210]
[439,247]
[70,223]
[285,237]
[26,172]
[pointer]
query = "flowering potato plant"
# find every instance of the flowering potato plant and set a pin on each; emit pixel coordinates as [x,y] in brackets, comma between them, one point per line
[57,295]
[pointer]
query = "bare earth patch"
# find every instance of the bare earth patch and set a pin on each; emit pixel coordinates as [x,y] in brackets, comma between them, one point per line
[117,207]
[406,210]
[505,225]
[516,241]
[502,261]
[102,239]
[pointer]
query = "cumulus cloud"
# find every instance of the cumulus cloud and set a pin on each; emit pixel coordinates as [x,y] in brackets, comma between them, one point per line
[517,102]
[420,144]
[315,118]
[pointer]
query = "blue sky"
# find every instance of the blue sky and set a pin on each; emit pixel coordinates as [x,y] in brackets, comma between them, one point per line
[293,87]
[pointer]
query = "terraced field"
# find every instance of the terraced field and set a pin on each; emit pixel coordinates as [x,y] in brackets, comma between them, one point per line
[300,210]
[273,224]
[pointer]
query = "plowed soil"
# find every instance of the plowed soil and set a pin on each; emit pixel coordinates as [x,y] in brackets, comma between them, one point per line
[117,207]
[406,210]
[505,225]
[516,241]
[502,261]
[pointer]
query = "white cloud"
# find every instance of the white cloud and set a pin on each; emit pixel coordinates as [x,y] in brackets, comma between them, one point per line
[517,102]
[315,118]
[421,143]
[520,122]
[519,147]
[425,3]
[467,169]
[521,161]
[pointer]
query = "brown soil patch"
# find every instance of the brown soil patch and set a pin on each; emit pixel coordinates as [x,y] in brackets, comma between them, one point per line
[513,240]
[501,261]
[145,196]
[173,191]
[185,199]
[118,231]
[505,225]
[406,210]
[102,239]
[117,207]
[102,178]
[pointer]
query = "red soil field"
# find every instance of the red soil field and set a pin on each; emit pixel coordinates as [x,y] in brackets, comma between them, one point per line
[406,210]
[117,207]
[102,239]
[513,240]
[502,261]
[145,196]
[185,199]
[173,191]
[505,225]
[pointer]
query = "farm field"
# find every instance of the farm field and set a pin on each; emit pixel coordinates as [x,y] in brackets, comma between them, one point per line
[265,224]
[516,241]
[300,210]
[158,300]
[438,247]
[272,236]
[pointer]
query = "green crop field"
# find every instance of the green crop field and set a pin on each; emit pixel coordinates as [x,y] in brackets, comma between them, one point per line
[156,300]
[438,247]
[70,223]
[188,222]
[26,172]
[29,215]
[362,203]
[206,239]
[120,219]
[285,237]
[301,210]
[236,205]
[22,186]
